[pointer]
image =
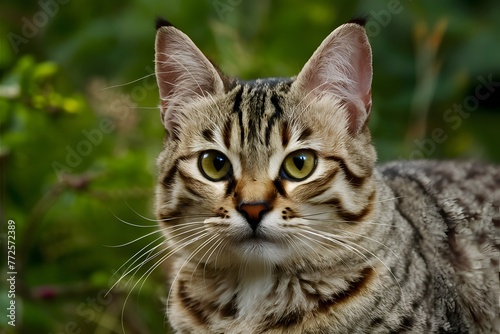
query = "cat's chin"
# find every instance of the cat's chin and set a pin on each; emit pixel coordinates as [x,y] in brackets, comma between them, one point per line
[260,250]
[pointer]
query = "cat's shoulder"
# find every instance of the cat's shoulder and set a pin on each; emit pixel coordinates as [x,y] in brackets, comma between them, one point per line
[437,176]
[446,194]
[454,209]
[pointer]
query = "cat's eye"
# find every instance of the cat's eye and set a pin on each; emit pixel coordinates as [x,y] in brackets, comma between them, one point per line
[214,165]
[299,165]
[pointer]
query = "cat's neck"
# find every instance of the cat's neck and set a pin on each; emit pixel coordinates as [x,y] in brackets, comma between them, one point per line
[271,299]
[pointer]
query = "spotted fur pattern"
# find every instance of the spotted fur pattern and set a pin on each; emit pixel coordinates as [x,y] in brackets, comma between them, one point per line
[407,247]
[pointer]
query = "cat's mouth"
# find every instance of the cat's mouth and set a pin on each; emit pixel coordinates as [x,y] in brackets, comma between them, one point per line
[260,250]
[255,245]
[255,238]
[257,241]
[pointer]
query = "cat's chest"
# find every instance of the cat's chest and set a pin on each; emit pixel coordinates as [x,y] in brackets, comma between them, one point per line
[267,300]
[271,298]
[252,293]
[262,303]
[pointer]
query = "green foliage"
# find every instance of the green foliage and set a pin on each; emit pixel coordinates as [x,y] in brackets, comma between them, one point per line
[78,153]
[70,183]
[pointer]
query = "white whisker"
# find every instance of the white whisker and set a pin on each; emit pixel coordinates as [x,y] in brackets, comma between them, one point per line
[128,83]
[363,236]
[321,244]
[131,224]
[352,245]
[159,262]
[134,240]
[188,259]
[145,108]
[139,252]
[149,258]
[215,247]
[201,258]
[337,241]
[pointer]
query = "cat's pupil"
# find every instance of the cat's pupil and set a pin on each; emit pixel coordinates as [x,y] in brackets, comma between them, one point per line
[219,163]
[299,161]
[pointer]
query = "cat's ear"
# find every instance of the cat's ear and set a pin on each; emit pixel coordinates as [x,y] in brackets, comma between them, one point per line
[183,73]
[342,67]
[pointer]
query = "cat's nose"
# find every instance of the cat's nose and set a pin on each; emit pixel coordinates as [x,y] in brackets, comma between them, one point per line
[253,212]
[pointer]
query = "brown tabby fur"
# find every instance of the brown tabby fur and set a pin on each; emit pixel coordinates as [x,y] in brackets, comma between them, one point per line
[407,247]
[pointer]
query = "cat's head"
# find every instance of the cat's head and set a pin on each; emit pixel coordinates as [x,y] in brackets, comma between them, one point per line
[271,171]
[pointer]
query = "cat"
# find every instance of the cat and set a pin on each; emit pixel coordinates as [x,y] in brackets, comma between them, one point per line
[280,222]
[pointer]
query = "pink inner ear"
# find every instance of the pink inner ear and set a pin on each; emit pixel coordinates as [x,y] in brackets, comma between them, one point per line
[363,71]
[342,67]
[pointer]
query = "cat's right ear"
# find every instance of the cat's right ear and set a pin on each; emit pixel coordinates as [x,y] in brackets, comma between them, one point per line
[183,74]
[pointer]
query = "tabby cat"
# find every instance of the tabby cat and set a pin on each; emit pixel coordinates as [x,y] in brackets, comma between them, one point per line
[280,222]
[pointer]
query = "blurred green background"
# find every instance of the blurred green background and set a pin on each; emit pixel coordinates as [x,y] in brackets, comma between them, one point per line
[79,127]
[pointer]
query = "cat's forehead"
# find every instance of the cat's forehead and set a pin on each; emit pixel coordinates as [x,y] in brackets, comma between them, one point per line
[260,106]
[262,84]
[250,123]
[260,99]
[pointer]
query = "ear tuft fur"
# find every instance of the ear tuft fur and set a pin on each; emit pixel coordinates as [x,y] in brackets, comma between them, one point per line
[360,20]
[161,22]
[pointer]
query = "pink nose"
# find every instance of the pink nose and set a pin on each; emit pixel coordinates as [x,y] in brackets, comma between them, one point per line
[253,212]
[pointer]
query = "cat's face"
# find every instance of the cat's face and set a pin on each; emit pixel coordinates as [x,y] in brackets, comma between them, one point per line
[271,171]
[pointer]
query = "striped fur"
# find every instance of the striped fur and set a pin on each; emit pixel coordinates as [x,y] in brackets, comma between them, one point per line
[407,247]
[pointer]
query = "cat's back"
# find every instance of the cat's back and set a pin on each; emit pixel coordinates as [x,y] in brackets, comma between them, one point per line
[453,209]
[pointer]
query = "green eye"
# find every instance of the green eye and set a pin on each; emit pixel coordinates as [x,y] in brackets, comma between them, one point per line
[299,165]
[214,165]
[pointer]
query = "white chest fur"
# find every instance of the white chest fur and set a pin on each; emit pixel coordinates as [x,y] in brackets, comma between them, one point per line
[253,291]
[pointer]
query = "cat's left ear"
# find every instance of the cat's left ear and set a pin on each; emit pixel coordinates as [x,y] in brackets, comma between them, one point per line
[183,74]
[342,67]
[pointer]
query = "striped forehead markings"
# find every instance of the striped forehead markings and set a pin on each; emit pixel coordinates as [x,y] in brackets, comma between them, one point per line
[237,109]
[226,132]
[252,103]
[278,112]
[256,109]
